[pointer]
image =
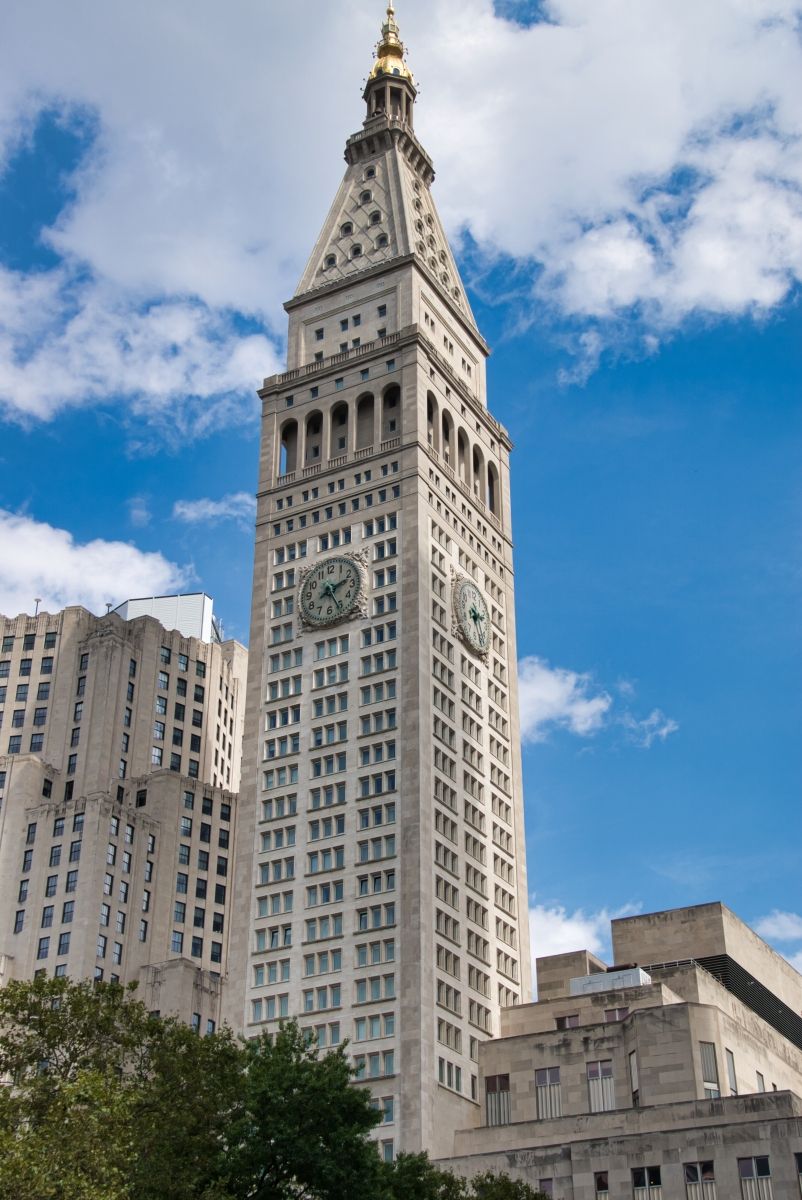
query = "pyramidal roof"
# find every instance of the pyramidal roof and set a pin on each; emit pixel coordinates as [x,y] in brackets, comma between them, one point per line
[384,210]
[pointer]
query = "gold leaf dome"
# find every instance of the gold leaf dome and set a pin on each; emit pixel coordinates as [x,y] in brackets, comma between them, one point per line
[390,50]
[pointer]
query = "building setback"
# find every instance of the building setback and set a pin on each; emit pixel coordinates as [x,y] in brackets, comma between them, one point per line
[121,746]
[677,1076]
[381,848]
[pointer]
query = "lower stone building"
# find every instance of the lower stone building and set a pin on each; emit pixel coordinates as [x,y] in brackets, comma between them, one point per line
[674,1075]
[128,885]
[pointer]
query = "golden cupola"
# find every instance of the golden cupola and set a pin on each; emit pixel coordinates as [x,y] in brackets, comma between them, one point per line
[390,91]
[390,51]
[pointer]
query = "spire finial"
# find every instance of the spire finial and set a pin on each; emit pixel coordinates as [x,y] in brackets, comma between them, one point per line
[390,50]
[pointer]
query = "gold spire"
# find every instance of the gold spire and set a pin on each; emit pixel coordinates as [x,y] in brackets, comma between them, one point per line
[390,50]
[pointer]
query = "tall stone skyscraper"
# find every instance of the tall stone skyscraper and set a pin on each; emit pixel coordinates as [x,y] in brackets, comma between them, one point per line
[384,873]
[119,764]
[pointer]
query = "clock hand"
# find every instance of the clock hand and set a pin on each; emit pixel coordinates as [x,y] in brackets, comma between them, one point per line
[339,583]
[328,591]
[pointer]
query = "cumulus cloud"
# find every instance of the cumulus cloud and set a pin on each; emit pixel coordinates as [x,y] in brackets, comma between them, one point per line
[66,343]
[42,561]
[553,697]
[780,926]
[553,929]
[645,731]
[645,160]
[785,928]
[238,506]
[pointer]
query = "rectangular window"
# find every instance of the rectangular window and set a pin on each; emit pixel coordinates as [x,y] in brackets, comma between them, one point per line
[633,1078]
[547,1093]
[731,1076]
[709,1070]
[696,1175]
[497,1099]
[601,1183]
[752,1169]
[646,1182]
[601,1086]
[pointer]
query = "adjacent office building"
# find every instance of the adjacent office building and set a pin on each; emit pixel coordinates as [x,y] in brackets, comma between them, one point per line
[381,861]
[120,747]
[675,1075]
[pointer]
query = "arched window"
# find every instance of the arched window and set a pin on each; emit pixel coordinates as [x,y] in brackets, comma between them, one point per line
[364,422]
[492,489]
[331,260]
[346,229]
[479,487]
[370,173]
[375,218]
[338,440]
[314,439]
[432,432]
[288,448]
[448,439]
[366,198]
[356,251]
[462,456]
[391,412]
[381,240]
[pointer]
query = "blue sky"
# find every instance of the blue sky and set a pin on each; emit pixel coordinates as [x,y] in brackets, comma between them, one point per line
[633,248]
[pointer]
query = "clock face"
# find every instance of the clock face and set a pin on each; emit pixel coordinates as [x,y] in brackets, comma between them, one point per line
[472,615]
[330,591]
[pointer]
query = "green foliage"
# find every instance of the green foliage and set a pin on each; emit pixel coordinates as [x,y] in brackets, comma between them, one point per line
[303,1131]
[415,1177]
[109,1103]
[500,1187]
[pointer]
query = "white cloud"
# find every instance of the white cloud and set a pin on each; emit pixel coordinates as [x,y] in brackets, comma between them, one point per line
[180,364]
[238,506]
[647,157]
[647,730]
[555,930]
[41,561]
[780,926]
[785,928]
[550,697]
[139,513]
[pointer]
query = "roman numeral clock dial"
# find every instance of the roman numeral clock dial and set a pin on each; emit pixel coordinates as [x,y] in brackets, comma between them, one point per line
[331,591]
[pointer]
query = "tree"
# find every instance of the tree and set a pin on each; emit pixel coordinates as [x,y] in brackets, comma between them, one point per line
[303,1132]
[415,1177]
[108,1103]
[488,1186]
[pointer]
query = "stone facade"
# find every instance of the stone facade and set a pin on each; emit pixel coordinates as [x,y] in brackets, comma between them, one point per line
[381,858]
[672,1089]
[121,747]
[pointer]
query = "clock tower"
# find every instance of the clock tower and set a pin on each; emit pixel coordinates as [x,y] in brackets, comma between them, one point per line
[380,877]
